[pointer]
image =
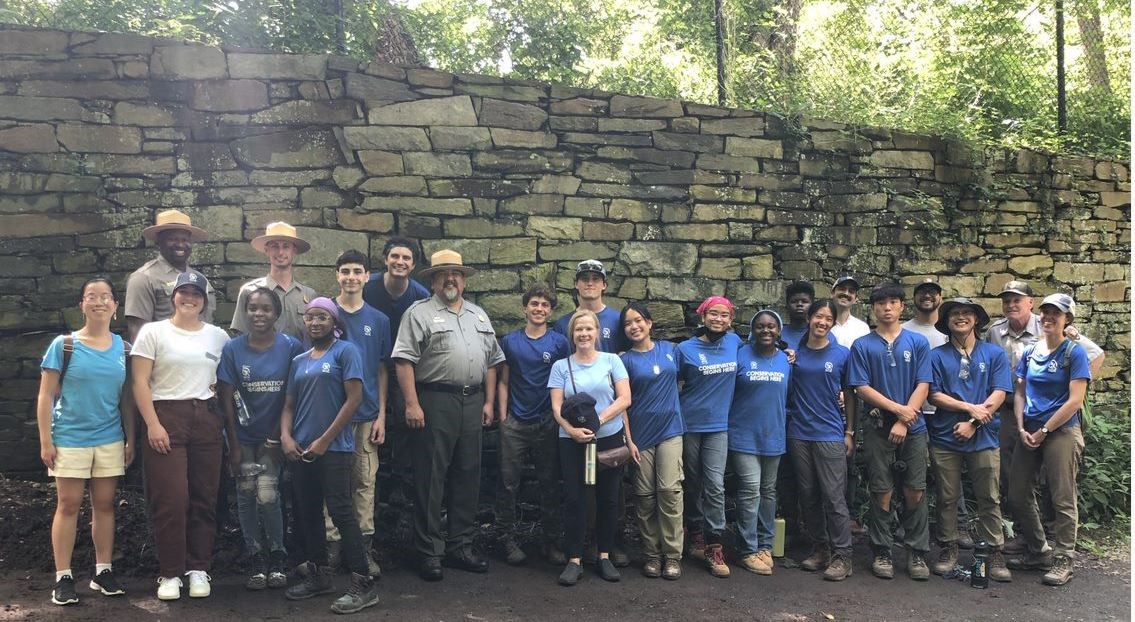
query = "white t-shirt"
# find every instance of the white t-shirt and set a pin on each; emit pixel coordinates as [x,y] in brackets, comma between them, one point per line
[848,332]
[935,338]
[185,362]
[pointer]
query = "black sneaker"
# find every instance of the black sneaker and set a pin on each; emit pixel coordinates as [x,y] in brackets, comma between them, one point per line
[64,592]
[106,583]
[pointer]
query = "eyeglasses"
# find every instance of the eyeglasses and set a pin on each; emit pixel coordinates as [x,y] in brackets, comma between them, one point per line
[316,317]
[891,355]
[103,298]
[963,370]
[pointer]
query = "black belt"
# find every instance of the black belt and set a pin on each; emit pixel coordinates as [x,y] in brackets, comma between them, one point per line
[442,387]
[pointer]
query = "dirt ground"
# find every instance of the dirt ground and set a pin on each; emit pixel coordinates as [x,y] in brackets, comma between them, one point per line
[1101,589]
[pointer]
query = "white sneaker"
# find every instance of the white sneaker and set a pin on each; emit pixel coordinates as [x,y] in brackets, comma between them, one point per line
[198,583]
[169,588]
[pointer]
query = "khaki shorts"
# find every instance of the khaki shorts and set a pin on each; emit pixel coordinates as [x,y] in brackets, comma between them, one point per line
[90,462]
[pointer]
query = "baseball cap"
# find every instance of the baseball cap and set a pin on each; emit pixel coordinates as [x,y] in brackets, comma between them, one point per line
[1017,287]
[847,278]
[1064,302]
[591,265]
[928,282]
[192,278]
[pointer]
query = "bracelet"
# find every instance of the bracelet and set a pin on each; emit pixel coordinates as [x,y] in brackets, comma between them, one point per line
[850,433]
[270,442]
[974,422]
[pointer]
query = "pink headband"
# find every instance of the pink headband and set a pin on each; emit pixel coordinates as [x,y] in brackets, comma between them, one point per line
[715,300]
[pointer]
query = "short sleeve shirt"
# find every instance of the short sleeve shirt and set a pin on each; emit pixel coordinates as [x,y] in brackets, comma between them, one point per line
[988,371]
[894,370]
[849,331]
[814,413]
[935,339]
[655,413]
[185,362]
[757,417]
[1014,343]
[87,412]
[597,378]
[375,295]
[1048,381]
[293,299]
[706,370]
[455,348]
[611,336]
[262,379]
[149,292]
[318,393]
[369,329]
[529,365]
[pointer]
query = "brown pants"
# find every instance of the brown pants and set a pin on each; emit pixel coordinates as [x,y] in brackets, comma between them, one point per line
[1059,454]
[181,486]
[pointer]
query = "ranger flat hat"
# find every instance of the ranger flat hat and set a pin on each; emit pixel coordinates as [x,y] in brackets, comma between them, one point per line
[445,259]
[174,219]
[280,231]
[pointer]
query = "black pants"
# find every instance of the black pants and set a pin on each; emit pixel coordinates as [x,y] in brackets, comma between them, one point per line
[607,485]
[327,480]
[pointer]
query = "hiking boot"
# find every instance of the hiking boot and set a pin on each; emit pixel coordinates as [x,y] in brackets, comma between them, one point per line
[258,579]
[316,583]
[199,583]
[619,557]
[839,568]
[1031,561]
[754,564]
[334,553]
[998,571]
[277,577]
[671,569]
[818,560]
[571,574]
[363,593]
[513,554]
[947,558]
[169,588]
[765,555]
[715,559]
[916,567]
[607,570]
[1015,546]
[373,569]
[883,567]
[652,568]
[1060,573]
[965,540]
[64,592]
[554,554]
[106,583]
[695,546]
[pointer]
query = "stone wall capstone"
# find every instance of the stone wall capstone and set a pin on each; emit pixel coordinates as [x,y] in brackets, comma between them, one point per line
[98,132]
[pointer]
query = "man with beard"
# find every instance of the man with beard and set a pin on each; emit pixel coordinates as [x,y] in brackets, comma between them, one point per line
[848,328]
[446,355]
[281,245]
[149,291]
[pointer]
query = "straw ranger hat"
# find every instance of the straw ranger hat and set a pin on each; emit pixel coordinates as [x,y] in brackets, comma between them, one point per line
[280,231]
[173,219]
[445,259]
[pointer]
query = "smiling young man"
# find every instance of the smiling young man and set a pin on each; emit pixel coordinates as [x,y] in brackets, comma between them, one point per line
[890,371]
[369,329]
[848,328]
[527,429]
[590,284]
[281,244]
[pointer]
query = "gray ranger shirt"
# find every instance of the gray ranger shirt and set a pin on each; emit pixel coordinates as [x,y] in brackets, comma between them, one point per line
[452,348]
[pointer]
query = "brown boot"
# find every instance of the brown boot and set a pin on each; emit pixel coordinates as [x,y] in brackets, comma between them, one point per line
[998,571]
[838,569]
[818,560]
[715,559]
[695,546]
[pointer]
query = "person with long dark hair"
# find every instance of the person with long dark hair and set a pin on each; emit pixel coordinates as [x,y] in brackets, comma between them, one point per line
[82,414]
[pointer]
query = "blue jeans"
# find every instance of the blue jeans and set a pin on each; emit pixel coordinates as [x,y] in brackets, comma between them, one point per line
[703,457]
[258,501]
[756,499]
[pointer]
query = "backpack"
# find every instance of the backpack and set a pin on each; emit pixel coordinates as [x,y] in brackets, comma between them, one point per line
[1085,408]
[69,349]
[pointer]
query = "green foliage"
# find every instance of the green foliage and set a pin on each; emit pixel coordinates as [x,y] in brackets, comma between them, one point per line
[1105,475]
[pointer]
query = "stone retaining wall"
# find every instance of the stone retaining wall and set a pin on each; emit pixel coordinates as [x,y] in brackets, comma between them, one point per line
[100,131]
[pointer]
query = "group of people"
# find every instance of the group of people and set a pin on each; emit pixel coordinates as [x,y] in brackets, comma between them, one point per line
[315,384]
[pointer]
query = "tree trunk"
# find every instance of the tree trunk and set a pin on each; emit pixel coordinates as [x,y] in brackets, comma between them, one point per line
[393,43]
[1091,35]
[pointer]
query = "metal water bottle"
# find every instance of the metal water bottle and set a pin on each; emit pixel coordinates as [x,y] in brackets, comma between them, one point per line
[590,464]
[778,536]
[979,576]
[242,415]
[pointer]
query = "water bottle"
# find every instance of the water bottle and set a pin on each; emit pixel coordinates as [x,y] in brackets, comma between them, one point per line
[979,576]
[590,463]
[778,537]
[242,415]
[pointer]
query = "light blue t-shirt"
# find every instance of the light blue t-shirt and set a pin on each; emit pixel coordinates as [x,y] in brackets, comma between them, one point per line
[369,329]
[611,336]
[707,371]
[529,366]
[893,370]
[1047,382]
[814,413]
[261,378]
[316,386]
[757,417]
[655,413]
[87,412]
[988,372]
[597,378]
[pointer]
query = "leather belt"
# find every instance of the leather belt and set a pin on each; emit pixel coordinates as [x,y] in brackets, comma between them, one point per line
[442,387]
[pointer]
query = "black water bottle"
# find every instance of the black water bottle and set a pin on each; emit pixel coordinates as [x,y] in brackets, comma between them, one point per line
[979,576]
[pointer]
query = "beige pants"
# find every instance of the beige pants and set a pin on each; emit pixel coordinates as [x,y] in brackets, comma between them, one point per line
[658,499]
[362,484]
[984,469]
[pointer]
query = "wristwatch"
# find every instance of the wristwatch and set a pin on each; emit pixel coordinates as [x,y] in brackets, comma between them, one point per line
[974,422]
[1044,428]
[850,433]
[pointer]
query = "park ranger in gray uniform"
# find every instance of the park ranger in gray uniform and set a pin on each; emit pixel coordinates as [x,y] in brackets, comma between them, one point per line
[149,290]
[281,244]
[446,355]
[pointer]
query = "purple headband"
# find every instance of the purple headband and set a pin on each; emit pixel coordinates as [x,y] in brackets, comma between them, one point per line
[715,300]
[330,307]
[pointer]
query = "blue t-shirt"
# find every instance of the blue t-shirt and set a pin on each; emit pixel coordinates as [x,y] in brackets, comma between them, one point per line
[706,370]
[794,337]
[871,366]
[369,329]
[1047,382]
[814,413]
[87,412]
[529,365]
[655,413]
[757,415]
[988,372]
[375,295]
[316,386]
[611,336]
[262,379]
[598,379]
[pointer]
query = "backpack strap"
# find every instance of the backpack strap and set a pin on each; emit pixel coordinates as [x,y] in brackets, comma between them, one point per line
[571,376]
[68,350]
